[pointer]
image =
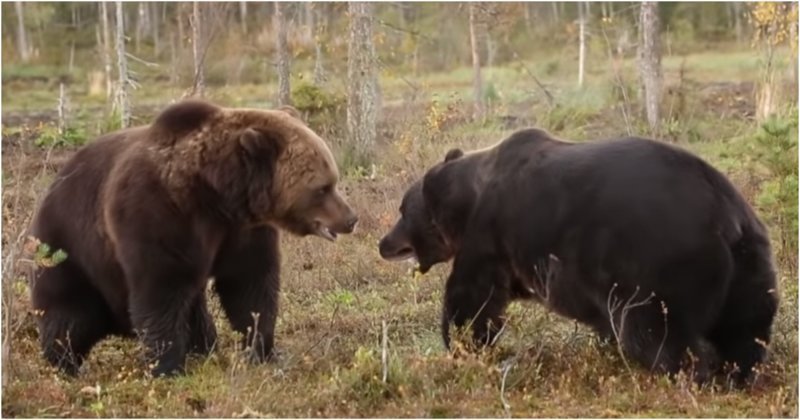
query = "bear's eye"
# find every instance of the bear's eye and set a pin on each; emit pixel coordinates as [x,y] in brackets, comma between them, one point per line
[324,190]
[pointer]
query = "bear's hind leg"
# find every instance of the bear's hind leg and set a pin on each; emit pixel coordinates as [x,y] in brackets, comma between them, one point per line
[662,342]
[742,333]
[73,316]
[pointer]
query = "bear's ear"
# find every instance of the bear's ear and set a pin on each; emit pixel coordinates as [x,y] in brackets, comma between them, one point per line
[292,111]
[249,179]
[259,144]
[449,199]
[453,154]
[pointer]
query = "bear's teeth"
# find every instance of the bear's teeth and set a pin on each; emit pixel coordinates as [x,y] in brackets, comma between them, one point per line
[326,233]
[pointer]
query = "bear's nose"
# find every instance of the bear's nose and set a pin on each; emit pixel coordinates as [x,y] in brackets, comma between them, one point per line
[350,224]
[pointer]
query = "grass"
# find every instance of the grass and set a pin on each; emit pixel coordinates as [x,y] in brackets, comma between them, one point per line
[335,297]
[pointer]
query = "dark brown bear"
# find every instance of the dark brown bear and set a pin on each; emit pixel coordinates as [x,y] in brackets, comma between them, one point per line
[592,230]
[147,215]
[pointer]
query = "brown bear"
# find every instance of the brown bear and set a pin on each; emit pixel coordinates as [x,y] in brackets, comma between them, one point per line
[148,214]
[642,241]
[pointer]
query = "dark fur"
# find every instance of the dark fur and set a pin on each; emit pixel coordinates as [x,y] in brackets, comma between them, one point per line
[140,252]
[576,226]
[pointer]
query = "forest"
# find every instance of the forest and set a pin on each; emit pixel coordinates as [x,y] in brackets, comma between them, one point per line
[391,87]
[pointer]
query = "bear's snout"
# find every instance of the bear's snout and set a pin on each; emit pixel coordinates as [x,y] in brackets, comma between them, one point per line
[393,248]
[350,224]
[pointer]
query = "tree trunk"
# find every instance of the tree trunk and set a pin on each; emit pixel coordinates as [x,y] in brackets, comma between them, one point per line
[477,81]
[362,107]
[173,55]
[71,62]
[179,13]
[123,101]
[491,49]
[282,51]
[197,49]
[243,15]
[526,9]
[308,16]
[650,61]
[581,41]
[154,23]
[793,47]
[737,20]
[106,53]
[318,30]
[140,27]
[22,34]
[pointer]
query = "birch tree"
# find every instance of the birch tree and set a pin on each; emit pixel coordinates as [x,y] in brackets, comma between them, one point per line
[199,84]
[22,34]
[106,53]
[362,83]
[475,28]
[317,32]
[650,61]
[582,6]
[123,100]
[154,24]
[243,16]
[282,52]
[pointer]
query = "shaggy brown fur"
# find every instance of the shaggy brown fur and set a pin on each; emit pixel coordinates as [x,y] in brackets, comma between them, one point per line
[148,214]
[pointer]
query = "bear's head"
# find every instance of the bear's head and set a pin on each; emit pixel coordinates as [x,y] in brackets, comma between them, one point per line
[257,167]
[434,213]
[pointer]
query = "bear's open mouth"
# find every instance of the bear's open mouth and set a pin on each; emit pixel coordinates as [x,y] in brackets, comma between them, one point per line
[325,232]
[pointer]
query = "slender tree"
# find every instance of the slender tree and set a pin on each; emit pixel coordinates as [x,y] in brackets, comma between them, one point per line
[22,34]
[197,49]
[650,61]
[243,15]
[362,106]
[106,53]
[737,20]
[581,41]
[152,10]
[282,51]
[477,81]
[123,101]
[142,24]
[793,43]
[317,32]
[308,17]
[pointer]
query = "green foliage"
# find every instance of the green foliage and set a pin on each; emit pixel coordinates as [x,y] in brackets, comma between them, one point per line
[561,118]
[490,93]
[46,257]
[310,98]
[31,72]
[343,298]
[775,147]
[49,137]
[324,112]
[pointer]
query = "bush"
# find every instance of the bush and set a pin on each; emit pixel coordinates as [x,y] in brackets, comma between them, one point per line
[50,137]
[323,111]
[312,99]
[775,147]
